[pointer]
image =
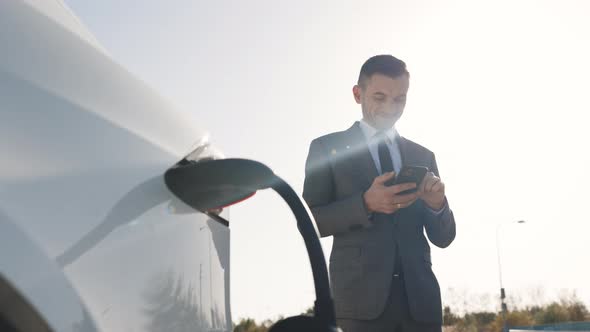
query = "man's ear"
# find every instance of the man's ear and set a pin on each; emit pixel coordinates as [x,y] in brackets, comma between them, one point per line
[356,91]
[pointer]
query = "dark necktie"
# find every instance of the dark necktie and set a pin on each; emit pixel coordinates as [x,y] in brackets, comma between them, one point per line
[384,154]
[387,166]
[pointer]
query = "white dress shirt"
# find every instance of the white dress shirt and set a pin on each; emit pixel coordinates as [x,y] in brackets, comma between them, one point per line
[391,142]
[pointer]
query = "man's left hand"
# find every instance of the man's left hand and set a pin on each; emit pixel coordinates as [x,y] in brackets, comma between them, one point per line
[432,191]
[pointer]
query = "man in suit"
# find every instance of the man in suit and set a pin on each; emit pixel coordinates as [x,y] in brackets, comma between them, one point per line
[380,266]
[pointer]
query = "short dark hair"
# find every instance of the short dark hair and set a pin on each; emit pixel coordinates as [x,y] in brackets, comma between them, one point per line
[385,64]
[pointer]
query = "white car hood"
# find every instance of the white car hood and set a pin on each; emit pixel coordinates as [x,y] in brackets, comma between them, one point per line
[51,52]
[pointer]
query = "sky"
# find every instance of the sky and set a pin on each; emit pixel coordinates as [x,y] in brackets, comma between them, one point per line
[498,91]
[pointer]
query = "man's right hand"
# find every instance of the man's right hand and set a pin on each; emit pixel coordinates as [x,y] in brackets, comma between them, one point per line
[386,199]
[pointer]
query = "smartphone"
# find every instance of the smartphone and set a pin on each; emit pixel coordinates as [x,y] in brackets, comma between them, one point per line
[407,174]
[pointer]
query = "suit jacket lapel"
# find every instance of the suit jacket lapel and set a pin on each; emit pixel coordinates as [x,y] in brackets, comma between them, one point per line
[408,157]
[363,159]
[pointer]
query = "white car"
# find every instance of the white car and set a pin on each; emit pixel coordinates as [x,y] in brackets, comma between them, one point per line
[91,239]
[107,194]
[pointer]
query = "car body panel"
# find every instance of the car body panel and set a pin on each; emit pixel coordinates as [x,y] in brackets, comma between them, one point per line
[86,145]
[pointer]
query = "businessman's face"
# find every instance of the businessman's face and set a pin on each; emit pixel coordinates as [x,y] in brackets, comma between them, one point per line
[382,99]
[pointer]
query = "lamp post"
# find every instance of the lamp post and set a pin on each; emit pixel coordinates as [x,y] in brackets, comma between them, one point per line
[502,291]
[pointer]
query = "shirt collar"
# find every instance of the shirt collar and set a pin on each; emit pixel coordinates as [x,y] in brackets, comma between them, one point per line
[370,132]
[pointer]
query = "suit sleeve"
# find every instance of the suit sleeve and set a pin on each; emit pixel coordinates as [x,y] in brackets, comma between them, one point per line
[440,226]
[331,216]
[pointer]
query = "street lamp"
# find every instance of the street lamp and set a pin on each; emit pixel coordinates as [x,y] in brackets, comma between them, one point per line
[502,291]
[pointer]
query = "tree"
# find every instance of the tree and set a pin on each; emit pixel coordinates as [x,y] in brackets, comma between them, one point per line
[575,308]
[513,318]
[567,310]
[578,312]
[249,325]
[554,313]
[475,322]
[449,318]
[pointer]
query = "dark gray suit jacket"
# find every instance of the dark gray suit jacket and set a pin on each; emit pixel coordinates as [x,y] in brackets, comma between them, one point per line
[339,169]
